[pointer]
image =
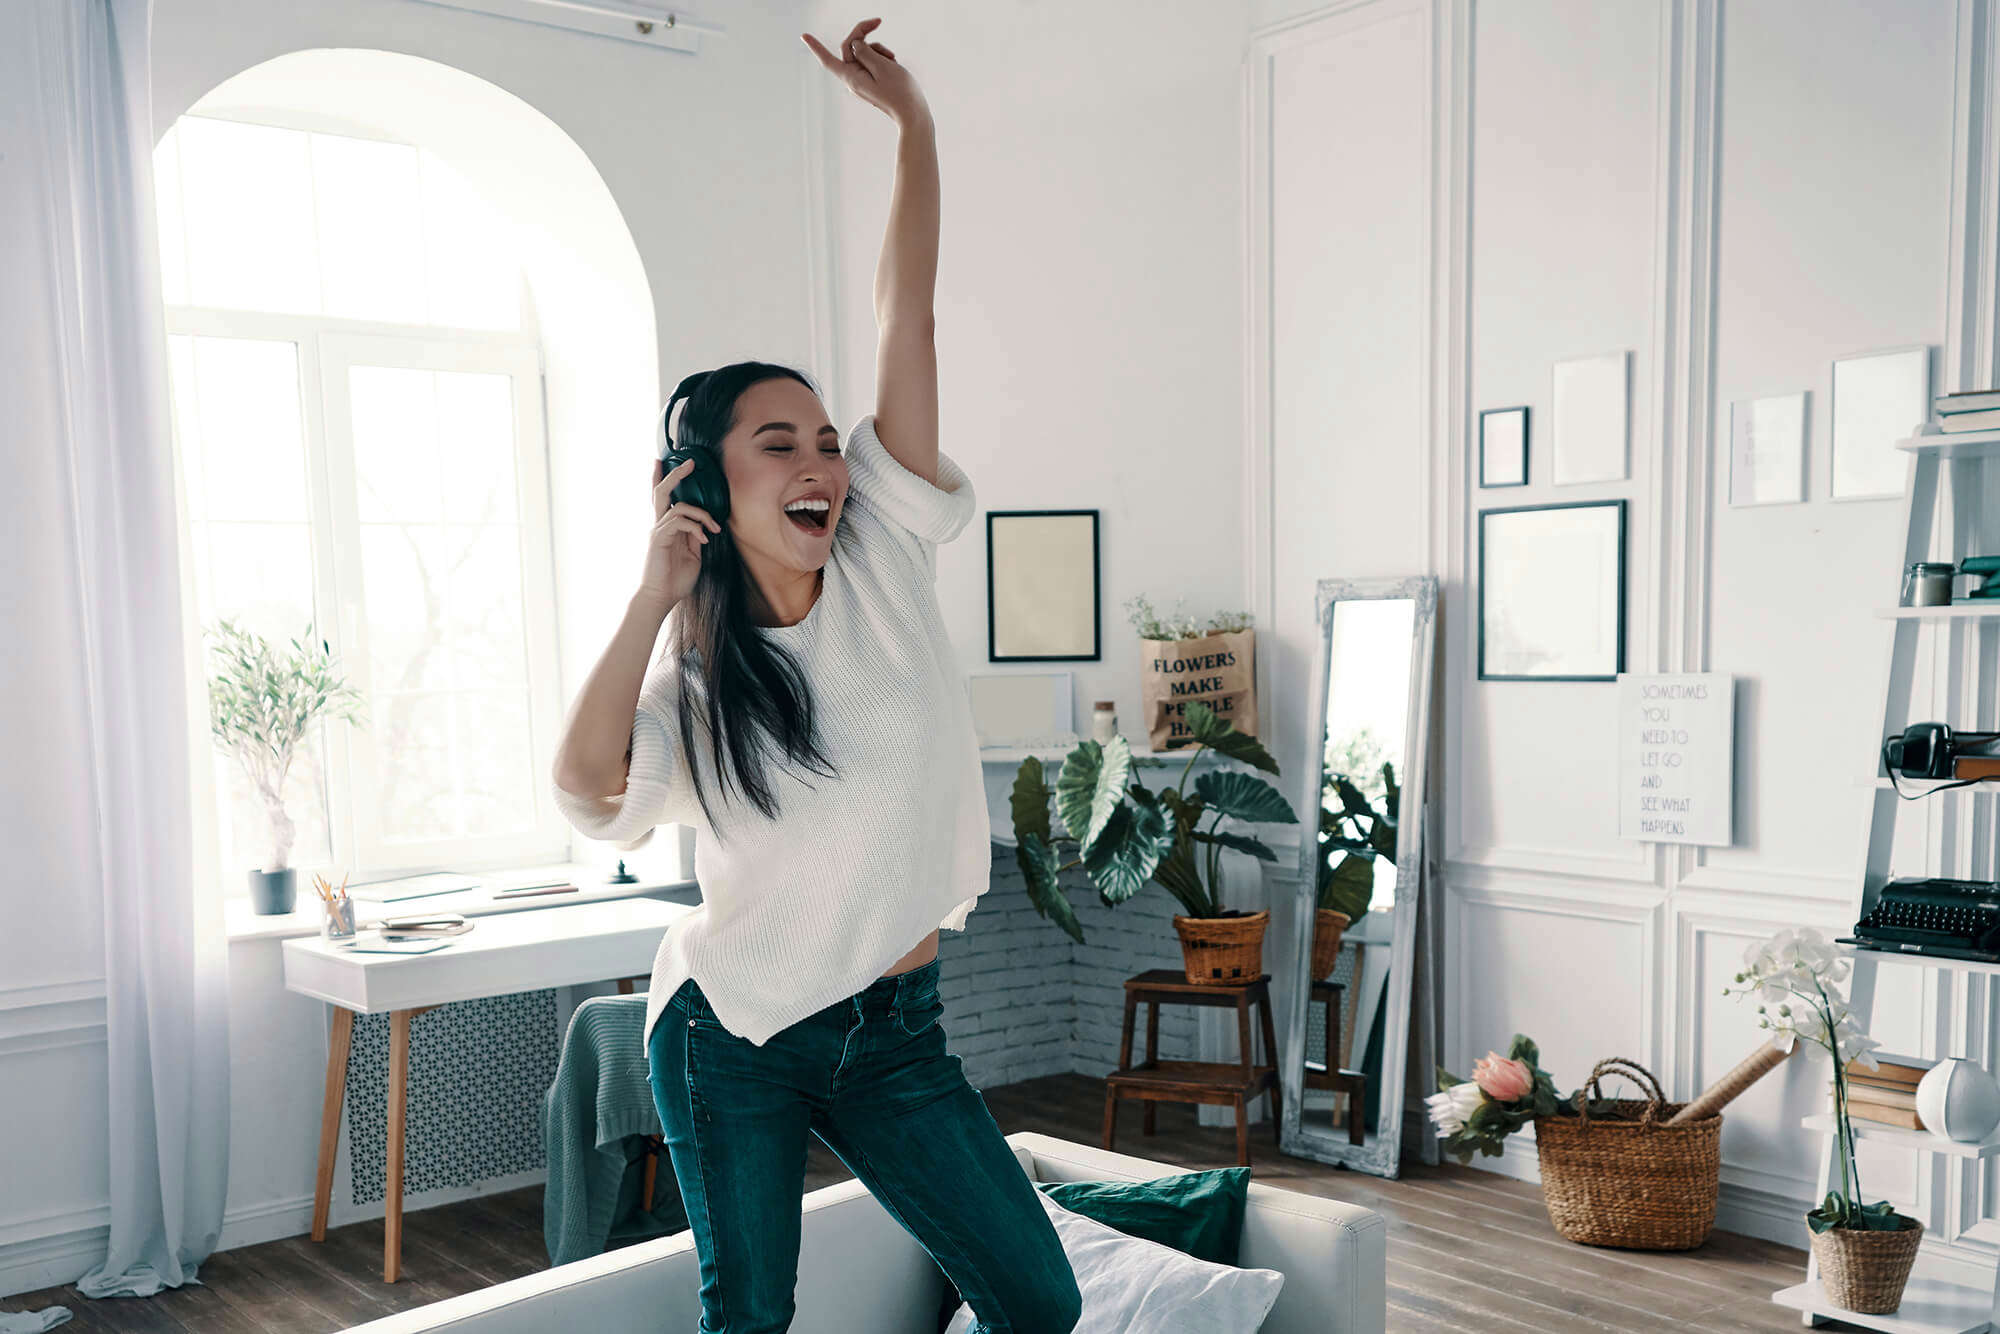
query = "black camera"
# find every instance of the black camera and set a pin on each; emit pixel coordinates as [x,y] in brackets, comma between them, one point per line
[1932,750]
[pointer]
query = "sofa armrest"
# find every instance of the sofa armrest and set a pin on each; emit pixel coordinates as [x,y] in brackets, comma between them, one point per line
[1334,1256]
[858,1269]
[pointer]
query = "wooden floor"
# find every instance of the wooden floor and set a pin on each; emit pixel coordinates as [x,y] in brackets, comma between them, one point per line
[1467,1249]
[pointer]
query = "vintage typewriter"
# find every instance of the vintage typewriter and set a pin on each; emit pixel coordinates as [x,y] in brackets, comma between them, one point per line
[1953,919]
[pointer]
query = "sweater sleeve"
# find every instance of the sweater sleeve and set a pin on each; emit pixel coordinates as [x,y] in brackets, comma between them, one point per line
[657,789]
[890,499]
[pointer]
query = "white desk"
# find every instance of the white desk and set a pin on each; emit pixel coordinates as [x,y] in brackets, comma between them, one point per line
[503,953]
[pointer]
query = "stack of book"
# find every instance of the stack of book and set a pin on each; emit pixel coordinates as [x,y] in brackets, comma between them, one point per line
[1886,1095]
[1971,410]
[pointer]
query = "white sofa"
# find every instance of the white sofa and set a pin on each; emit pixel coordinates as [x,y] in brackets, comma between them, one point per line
[859,1270]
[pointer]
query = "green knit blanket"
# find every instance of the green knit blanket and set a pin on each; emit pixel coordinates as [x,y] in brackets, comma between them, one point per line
[596,1121]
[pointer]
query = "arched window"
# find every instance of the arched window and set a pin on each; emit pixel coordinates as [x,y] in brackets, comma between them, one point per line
[358,417]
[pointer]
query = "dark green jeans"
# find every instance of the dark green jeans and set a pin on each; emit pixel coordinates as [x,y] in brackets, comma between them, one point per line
[871,1076]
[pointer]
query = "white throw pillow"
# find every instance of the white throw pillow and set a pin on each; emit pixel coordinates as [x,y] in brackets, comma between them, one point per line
[1134,1286]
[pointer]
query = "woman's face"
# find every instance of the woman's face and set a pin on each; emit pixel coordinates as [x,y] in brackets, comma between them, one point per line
[782,449]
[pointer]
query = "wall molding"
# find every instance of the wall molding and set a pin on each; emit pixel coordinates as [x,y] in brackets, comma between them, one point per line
[1645,917]
[46,1016]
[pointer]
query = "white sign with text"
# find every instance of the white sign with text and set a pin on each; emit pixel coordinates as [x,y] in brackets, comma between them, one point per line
[1676,752]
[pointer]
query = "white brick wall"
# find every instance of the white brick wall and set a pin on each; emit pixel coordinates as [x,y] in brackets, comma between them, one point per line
[1022,999]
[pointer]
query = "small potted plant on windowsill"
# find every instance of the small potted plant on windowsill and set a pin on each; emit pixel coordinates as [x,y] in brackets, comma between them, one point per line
[1126,835]
[1864,1251]
[261,707]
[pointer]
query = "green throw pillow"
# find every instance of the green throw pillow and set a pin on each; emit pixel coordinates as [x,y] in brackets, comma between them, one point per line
[1196,1213]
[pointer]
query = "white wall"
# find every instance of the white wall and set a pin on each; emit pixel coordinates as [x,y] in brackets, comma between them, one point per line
[1736,195]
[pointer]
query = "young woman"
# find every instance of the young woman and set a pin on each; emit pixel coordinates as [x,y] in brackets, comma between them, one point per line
[801,996]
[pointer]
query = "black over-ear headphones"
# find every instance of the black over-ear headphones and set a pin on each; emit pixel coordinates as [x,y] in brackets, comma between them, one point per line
[705,485]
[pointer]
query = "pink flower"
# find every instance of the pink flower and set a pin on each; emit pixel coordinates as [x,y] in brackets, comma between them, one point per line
[1502,1079]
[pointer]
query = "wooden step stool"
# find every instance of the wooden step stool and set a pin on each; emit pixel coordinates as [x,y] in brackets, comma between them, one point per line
[1220,1083]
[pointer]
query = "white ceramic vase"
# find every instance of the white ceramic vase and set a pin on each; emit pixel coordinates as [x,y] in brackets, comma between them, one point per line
[1958,1101]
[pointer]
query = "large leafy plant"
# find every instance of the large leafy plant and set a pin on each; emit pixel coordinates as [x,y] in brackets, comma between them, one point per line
[261,707]
[1126,834]
[1352,834]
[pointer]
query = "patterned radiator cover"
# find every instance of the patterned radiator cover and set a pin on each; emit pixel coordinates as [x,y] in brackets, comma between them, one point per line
[478,1070]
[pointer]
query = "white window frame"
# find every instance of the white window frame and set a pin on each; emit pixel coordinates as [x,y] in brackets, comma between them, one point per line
[326,348]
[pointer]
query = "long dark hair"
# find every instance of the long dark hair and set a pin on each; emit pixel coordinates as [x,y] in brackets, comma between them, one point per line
[755,692]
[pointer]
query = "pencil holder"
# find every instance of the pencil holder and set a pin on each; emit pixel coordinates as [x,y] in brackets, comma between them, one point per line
[337,921]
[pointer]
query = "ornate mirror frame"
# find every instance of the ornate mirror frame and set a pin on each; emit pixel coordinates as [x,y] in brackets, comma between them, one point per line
[1382,1154]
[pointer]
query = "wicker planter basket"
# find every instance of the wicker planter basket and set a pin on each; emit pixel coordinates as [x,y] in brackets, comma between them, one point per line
[1328,928]
[1622,1177]
[1865,1271]
[1223,951]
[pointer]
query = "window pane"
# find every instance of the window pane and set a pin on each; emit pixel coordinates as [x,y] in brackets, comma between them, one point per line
[488,640]
[246,196]
[398,476]
[441,566]
[370,228]
[403,574]
[242,457]
[472,253]
[413,739]
[495,763]
[244,402]
[476,434]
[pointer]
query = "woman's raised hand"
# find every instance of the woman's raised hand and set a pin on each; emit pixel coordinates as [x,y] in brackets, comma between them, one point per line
[873,73]
[673,552]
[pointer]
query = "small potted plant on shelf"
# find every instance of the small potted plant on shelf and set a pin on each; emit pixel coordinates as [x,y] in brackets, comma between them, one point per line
[1126,835]
[261,707]
[1864,1251]
[1352,835]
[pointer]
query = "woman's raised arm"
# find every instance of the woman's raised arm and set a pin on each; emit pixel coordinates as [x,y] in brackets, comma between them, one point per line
[906,393]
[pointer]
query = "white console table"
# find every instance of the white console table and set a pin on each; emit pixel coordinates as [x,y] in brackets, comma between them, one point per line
[525,950]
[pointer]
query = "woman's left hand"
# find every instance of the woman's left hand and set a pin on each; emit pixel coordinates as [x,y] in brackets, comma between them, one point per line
[872,71]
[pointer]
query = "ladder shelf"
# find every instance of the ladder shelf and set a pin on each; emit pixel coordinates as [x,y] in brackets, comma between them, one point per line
[1932,1303]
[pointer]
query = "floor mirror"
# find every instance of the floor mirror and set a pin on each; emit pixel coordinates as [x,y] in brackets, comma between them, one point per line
[1349,1019]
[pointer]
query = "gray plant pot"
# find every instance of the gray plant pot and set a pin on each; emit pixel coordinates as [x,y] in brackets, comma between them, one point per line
[272,892]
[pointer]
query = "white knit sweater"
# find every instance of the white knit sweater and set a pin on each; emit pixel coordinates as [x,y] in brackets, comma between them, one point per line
[803,911]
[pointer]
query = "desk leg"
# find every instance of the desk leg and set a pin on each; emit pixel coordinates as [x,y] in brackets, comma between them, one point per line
[392,1170]
[339,1042]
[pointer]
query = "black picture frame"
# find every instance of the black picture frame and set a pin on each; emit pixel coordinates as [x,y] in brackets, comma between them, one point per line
[1486,482]
[1480,609]
[998,518]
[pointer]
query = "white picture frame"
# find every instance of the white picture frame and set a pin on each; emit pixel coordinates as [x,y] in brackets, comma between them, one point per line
[1592,419]
[1767,450]
[1013,709]
[1879,398]
[1503,447]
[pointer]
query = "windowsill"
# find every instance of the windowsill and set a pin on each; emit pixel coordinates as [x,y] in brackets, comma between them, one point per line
[242,924]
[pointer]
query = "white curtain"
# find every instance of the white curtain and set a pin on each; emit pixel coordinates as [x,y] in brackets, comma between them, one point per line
[89,520]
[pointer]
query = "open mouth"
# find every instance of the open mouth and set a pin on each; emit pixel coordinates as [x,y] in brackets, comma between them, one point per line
[813,521]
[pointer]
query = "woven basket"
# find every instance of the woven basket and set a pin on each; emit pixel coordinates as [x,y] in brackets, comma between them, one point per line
[1865,1271]
[1619,1176]
[1223,951]
[1328,928]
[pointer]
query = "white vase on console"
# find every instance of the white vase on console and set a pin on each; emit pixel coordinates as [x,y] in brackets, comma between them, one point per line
[1958,1101]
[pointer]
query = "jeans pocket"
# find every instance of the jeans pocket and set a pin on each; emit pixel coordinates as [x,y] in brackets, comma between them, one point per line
[919,1011]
